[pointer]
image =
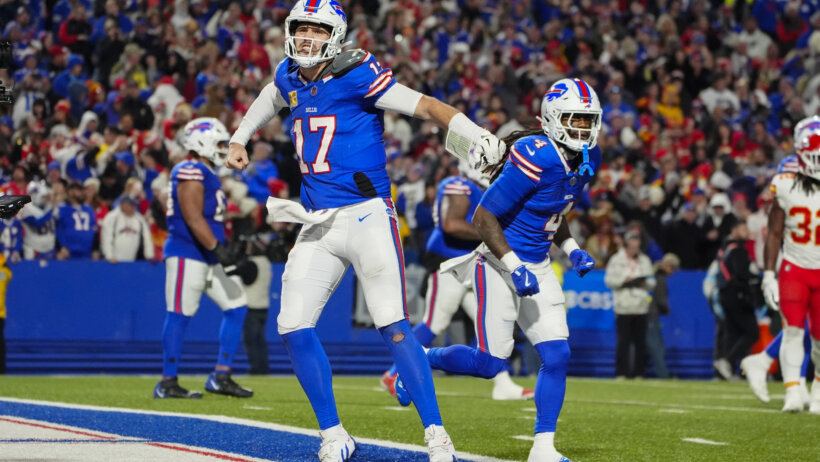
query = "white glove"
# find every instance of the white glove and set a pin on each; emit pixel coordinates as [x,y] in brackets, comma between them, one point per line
[487,152]
[771,291]
[469,142]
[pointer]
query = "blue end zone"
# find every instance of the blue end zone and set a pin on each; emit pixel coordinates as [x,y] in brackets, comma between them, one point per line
[229,437]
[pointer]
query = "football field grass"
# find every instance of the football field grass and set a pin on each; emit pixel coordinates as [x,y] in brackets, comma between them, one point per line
[602,420]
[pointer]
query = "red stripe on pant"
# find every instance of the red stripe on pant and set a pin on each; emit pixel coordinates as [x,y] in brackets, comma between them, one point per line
[432,300]
[178,293]
[394,229]
[481,293]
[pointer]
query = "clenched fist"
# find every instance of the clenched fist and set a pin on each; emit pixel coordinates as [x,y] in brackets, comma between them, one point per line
[237,157]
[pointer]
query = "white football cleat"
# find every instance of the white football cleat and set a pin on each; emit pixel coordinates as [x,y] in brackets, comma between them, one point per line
[439,445]
[793,401]
[337,445]
[814,407]
[537,455]
[515,392]
[723,368]
[804,392]
[756,368]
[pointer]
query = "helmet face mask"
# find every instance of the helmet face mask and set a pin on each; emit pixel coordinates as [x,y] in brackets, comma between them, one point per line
[208,138]
[571,114]
[328,15]
[807,144]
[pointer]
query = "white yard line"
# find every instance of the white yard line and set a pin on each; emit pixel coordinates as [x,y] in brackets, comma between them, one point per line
[703,441]
[661,405]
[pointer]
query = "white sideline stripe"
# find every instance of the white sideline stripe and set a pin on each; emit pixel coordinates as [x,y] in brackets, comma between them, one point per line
[247,423]
[396,408]
[257,408]
[673,411]
[690,406]
[703,441]
[523,437]
[527,417]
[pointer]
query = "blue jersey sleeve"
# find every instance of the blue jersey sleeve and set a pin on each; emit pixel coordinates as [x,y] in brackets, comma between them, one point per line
[508,191]
[369,80]
[188,172]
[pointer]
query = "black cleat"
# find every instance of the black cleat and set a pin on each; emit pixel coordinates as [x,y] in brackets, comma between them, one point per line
[170,388]
[224,385]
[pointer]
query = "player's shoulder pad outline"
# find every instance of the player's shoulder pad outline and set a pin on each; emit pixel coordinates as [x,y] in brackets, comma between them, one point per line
[346,61]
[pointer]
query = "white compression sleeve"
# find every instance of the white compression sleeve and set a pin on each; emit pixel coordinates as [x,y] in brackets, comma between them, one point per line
[400,99]
[264,107]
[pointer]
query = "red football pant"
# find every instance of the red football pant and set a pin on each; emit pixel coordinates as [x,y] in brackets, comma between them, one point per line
[800,296]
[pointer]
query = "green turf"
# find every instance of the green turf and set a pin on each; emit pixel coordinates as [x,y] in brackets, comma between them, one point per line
[602,420]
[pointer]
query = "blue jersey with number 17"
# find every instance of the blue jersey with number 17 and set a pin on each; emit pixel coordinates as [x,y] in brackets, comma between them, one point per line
[536,188]
[338,132]
[180,241]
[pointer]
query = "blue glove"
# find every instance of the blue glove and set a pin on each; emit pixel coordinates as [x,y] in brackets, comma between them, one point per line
[582,263]
[525,282]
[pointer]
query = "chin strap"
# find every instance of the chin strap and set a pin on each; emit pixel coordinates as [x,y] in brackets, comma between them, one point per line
[586,168]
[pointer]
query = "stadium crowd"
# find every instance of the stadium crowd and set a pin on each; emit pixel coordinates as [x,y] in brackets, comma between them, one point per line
[700,100]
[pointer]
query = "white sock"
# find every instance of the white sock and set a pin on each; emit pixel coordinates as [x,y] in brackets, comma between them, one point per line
[791,355]
[502,379]
[545,440]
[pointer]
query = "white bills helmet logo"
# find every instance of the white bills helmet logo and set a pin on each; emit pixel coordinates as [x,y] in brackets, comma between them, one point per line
[39,192]
[807,144]
[328,13]
[208,138]
[566,101]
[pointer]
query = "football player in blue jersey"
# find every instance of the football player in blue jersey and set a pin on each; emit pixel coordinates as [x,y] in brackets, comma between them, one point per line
[453,236]
[337,101]
[518,219]
[197,261]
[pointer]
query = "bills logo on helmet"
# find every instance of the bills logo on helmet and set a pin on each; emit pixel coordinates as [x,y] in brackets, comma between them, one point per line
[586,95]
[202,126]
[312,6]
[813,126]
[556,91]
[338,9]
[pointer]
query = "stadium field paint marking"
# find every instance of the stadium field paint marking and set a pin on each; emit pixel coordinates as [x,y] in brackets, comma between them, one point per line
[523,437]
[257,408]
[396,408]
[690,406]
[721,386]
[527,417]
[529,409]
[673,411]
[49,438]
[703,441]
[211,433]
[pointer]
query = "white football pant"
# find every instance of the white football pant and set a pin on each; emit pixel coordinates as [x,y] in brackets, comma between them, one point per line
[445,294]
[365,235]
[187,279]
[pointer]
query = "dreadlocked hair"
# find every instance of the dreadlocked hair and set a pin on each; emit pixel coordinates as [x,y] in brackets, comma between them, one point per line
[806,183]
[509,140]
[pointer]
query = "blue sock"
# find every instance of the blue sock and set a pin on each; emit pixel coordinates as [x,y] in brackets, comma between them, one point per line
[807,356]
[424,335]
[312,368]
[551,383]
[773,350]
[173,332]
[230,333]
[414,371]
[463,360]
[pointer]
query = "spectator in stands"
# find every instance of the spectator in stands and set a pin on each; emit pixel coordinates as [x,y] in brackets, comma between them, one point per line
[76,226]
[107,52]
[738,283]
[630,276]
[657,308]
[260,171]
[685,237]
[125,234]
[718,225]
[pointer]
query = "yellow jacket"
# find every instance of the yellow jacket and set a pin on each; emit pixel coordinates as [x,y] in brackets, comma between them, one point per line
[5,277]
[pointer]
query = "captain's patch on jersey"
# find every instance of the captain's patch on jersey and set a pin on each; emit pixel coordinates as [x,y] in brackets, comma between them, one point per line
[293,101]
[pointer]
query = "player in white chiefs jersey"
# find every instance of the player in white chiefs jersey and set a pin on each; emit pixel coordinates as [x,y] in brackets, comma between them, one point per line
[795,220]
